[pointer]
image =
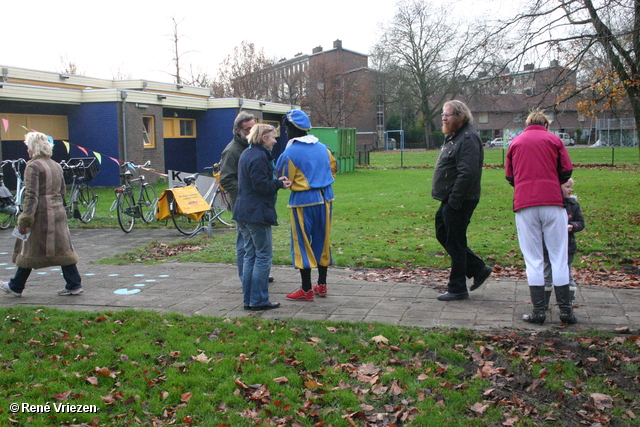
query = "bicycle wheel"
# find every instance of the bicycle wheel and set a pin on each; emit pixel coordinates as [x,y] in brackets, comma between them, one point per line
[221,209]
[124,209]
[148,203]
[85,204]
[185,225]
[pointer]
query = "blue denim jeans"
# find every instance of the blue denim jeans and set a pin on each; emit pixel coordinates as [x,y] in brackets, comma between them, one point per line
[258,254]
[239,252]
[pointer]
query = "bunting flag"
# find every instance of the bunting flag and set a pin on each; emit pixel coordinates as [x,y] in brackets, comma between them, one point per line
[68,145]
[115,160]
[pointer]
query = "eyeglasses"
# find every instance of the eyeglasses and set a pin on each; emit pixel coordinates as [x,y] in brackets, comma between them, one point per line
[447,115]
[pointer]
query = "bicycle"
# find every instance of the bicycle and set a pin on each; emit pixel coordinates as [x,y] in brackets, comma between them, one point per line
[10,205]
[82,199]
[183,223]
[127,205]
[220,206]
[220,210]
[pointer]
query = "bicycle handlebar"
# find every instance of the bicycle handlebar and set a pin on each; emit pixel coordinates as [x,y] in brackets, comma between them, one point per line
[15,164]
[135,167]
[66,165]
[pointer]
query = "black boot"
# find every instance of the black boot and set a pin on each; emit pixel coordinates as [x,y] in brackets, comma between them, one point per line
[538,300]
[547,299]
[563,296]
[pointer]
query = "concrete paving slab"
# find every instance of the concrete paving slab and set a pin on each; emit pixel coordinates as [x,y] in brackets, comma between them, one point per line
[214,290]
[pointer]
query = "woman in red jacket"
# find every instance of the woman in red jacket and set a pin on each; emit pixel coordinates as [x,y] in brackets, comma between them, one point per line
[537,163]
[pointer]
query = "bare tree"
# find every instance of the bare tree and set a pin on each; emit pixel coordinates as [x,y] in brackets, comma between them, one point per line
[177,55]
[429,57]
[69,66]
[334,93]
[599,39]
[120,74]
[236,76]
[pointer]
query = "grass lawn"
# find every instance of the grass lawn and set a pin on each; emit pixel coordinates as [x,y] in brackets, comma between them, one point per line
[145,368]
[383,217]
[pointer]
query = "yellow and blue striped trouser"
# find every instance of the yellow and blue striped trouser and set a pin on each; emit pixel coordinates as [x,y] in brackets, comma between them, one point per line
[310,240]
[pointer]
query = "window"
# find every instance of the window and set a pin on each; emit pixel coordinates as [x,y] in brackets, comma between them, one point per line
[483,117]
[187,127]
[179,128]
[148,132]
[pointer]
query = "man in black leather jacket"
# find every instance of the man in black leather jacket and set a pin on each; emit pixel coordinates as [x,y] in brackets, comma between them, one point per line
[456,184]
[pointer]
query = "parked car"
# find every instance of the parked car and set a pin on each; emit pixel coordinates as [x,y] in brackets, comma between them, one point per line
[495,143]
[566,139]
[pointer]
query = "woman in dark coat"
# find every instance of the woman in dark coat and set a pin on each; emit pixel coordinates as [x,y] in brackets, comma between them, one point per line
[255,213]
[44,217]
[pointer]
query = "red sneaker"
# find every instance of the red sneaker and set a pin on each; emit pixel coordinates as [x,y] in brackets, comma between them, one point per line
[301,295]
[320,290]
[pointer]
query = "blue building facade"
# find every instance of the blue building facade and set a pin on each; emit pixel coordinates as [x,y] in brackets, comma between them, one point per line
[173,126]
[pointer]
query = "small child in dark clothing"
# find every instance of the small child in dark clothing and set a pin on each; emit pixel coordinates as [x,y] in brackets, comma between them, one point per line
[576,224]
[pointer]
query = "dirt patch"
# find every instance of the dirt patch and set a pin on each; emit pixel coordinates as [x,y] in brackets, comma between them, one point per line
[627,278]
[530,371]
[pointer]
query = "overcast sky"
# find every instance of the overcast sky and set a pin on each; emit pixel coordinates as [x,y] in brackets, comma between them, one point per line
[134,36]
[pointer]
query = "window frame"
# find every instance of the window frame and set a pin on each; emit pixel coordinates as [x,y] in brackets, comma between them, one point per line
[148,131]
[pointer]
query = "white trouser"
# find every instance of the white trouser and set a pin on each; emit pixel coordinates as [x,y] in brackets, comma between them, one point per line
[548,223]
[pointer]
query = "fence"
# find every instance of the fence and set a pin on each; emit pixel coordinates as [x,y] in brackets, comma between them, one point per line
[612,156]
[616,132]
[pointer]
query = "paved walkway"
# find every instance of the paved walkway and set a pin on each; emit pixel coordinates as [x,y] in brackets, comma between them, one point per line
[214,290]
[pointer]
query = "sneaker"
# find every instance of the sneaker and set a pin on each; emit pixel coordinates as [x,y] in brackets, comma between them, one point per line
[4,286]
[67,292]
[301,295]
[320,290]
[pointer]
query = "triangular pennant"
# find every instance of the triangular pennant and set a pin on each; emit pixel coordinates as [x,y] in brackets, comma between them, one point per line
[115,160]
[50,138]
[5,122]
[98,156]
[83,150]
[66,144]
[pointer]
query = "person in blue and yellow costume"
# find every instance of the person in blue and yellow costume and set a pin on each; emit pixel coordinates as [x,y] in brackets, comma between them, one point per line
[311,167]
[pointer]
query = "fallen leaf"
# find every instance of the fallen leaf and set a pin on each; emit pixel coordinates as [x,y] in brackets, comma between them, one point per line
[61,396]
[379,339]
[479,408]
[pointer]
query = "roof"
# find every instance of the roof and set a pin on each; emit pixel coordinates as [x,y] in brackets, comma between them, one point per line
[20,84]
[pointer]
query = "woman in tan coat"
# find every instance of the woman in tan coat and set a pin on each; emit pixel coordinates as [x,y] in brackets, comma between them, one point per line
[44,216]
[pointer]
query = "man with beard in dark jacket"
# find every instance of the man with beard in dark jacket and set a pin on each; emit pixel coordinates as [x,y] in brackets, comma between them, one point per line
[456,184]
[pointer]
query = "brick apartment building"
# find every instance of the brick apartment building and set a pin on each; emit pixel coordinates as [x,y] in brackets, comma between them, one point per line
[501,104]
[335,87]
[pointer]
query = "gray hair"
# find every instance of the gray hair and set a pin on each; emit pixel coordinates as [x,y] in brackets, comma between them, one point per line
[242,117]
[460,109]
[38,144]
